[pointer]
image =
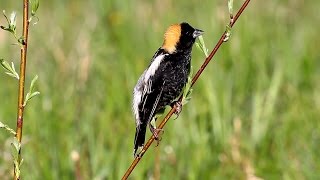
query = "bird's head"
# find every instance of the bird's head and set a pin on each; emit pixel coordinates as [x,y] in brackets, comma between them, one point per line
[180,37]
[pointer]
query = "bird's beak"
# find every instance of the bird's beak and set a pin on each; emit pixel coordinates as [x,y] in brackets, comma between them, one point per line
[197,33]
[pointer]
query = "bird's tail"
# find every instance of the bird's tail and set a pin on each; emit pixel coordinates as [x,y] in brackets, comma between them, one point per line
[139,137]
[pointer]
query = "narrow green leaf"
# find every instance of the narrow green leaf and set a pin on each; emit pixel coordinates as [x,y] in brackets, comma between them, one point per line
[13,21]
[10,74]
[34,80]
[204,48]
[16,75]
[31,94]
[21,162]
[34,94]
[11,70]
[15,148]
[198,46]
[187,89]
[5,65]
[12,66]
[35,6]
[6,127]
[4,14]
[201,45]
[201,40]
[230,6]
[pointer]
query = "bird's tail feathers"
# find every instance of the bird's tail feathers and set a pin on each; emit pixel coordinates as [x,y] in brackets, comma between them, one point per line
[139,138]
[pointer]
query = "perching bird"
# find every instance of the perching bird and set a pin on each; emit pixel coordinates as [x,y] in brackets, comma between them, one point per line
[163,81]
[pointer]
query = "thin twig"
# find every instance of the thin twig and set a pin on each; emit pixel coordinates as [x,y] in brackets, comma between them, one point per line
[23,65]
[195,78]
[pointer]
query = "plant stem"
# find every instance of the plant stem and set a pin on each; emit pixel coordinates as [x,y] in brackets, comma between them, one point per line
[23,64]
[195,78]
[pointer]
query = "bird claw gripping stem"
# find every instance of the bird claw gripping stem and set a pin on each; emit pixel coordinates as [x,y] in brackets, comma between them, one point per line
[178,110]
[156,133]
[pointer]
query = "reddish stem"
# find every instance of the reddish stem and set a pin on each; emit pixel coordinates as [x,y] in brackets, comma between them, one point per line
[23,64]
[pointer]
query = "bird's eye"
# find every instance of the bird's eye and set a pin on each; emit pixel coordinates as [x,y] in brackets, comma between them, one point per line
[188,33]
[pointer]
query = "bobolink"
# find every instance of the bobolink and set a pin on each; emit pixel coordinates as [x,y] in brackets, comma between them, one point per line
[163,81]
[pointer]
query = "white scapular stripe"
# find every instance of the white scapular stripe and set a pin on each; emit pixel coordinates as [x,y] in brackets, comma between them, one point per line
[137,95]
[153,67]
[143,86]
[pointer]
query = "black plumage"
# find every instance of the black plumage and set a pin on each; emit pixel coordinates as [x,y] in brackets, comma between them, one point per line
[163,81]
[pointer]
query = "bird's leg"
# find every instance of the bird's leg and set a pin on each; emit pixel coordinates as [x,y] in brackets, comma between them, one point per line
[155,131]
[178,105]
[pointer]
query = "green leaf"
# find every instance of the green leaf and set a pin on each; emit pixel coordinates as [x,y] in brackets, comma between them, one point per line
[10,74]
[15,148]
[205,50]
[12,22]
[5,64]
[16,75]
[34,7]
[21,162]
[34,94]
[33,82]
[230,6]
[31,94]
[11,71]
[6,127]
[4,14]
[201,40]
[198,46]
[202,46]
[187,91]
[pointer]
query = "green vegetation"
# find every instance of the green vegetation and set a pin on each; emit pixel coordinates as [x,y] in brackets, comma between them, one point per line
[255,111]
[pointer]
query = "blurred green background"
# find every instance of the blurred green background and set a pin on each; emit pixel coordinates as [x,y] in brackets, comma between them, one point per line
[254,112]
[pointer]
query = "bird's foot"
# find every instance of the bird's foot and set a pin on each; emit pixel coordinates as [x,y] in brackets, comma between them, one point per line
[178,105]
[156,133]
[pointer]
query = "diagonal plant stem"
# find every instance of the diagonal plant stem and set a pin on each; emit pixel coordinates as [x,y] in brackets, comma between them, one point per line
[23,64]
[195,78]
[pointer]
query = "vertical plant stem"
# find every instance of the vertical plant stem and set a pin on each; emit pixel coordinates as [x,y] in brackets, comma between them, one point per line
[23,64]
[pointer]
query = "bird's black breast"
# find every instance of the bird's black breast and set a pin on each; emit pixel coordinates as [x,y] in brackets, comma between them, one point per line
[166,84]
[175,72]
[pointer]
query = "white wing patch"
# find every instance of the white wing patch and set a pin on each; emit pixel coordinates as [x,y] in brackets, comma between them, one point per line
[153,67]
[137,96]
[143,86]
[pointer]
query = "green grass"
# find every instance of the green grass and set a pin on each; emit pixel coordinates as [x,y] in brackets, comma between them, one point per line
[254,112]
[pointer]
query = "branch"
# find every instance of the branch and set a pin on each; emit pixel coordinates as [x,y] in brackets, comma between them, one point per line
[194,80]
[23,64]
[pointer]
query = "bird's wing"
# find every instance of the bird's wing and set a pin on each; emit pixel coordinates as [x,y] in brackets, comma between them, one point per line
[146,88]
[153,85]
